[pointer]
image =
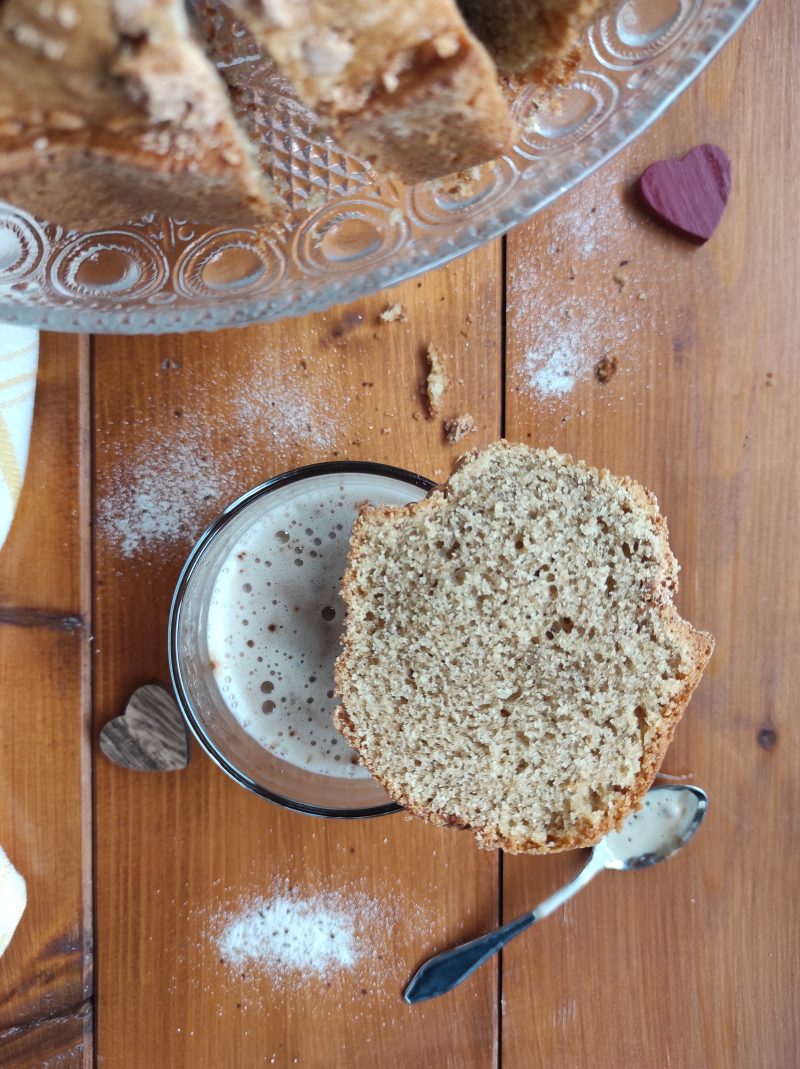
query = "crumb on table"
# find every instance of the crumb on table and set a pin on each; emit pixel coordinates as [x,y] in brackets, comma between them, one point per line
[459,427]
[395,313]
[606,368]
[437,381]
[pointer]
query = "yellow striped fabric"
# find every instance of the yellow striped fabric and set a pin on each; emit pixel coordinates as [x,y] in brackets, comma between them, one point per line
[19,357]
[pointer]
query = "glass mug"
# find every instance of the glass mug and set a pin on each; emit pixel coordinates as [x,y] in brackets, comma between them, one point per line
[302,519]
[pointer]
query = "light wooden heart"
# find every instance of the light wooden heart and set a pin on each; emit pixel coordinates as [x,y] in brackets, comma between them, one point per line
[150,736]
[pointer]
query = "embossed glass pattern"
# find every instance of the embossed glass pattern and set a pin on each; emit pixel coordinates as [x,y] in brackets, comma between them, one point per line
[347,230]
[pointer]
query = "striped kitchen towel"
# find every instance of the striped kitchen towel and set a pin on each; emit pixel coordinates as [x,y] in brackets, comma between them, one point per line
[19,358]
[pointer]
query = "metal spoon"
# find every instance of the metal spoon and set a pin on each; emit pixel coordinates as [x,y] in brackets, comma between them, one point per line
[667,820]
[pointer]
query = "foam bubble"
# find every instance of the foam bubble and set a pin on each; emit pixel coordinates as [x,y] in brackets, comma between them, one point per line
[273,642]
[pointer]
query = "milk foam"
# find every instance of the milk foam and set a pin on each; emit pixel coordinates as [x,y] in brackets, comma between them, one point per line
[276,614]
[657,827]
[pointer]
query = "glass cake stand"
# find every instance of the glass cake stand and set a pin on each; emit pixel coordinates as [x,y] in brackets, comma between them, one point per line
[348,231]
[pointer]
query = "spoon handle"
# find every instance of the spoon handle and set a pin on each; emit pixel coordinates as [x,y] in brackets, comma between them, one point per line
[448,969]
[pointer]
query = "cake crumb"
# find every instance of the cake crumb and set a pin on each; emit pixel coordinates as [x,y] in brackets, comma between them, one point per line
[437,381]
[674,777]
[460,184]
[606,368]
[621,280]
[317,200]
[459,427]
[395,313]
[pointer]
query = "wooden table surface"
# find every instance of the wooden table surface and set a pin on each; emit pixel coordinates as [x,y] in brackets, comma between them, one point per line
[692,965]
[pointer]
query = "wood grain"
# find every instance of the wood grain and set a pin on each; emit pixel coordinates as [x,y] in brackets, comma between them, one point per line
[151,734]
[41,566]
[45,773]
[189,423]
[63,1040]
[694,964]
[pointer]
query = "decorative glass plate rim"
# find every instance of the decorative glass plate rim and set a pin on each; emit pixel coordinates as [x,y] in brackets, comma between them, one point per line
[553,180]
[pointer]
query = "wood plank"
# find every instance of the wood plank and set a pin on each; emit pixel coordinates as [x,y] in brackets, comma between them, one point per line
[64,1041]
[40,567]
[696,963]
[45,761]
[183,425]
[45,775]
[45,823]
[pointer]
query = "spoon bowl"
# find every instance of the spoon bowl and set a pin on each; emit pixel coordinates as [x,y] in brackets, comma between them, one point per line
[668,819]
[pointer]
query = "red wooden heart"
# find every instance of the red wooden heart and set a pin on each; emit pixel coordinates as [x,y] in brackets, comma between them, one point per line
[688,196]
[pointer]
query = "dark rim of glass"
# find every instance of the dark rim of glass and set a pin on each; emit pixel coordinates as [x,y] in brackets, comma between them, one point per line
[337,467]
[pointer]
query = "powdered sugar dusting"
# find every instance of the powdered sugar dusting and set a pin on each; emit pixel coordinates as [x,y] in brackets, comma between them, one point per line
[553,367]
[166,487]
[569,343]
[283,405]
[292,938]
[289,936]
[164,496]
[584,226]
[227,960]
[567,330]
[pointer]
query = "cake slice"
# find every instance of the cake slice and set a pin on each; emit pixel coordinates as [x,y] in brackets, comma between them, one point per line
[402,84]
[532,40]
[512,660]
[110,110]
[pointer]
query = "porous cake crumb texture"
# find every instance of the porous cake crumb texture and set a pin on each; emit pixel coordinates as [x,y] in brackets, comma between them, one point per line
[512,660]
